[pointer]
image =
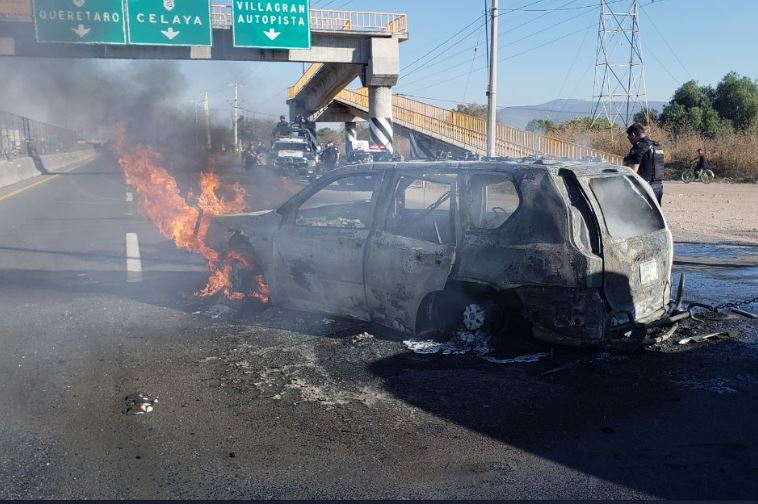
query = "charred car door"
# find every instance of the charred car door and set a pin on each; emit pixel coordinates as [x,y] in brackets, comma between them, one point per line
[319,248]
[637,247]
[411,253]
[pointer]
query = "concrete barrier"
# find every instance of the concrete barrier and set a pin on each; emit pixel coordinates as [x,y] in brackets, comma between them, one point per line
[12,172]
[58,162]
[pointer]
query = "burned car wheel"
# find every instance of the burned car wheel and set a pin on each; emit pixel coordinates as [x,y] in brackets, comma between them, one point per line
[480,315]
[455,310]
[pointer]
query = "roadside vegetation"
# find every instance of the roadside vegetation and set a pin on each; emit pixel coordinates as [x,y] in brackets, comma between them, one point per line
[722,120]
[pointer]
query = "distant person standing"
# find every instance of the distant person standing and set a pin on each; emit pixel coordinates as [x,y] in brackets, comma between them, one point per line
[702,162]
[282,128]
[645,158]
[331,156]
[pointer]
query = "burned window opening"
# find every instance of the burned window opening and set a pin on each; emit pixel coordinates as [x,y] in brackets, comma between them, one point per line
[627,209]
[492,199]
[345,203]
[423,208]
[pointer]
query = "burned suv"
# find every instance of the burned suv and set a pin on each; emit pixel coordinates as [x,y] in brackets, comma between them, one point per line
[578,252]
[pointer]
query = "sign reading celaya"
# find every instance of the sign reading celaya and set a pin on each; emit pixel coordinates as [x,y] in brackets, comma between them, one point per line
[170,22]
[271,24]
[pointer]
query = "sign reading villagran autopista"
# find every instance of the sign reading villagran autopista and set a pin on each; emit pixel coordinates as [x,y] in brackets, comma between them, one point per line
[272,24]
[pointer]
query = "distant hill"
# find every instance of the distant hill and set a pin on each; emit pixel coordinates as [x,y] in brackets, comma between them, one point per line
[555,110]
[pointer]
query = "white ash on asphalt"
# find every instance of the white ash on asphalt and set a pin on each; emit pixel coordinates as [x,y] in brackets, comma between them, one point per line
[139,404]
[465,342]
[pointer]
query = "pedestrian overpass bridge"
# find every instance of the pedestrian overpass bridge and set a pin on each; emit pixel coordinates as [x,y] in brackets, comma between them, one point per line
[432,127]
[345,45]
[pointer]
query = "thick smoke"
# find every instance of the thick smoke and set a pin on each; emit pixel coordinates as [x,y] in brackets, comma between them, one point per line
[91,96]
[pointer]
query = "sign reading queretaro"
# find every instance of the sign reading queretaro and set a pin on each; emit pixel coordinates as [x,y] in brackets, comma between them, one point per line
[170,22]
[272,24]
[80,21]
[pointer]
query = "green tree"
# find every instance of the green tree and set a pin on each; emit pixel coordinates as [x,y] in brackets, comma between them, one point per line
[736,100]
[329,135]
[543,126]
[646,116]
[692,108]
[473,109]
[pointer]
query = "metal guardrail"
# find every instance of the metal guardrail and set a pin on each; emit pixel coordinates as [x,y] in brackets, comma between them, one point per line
[304,79]
[471,132]
[323,20]
[18,133]
[331,20]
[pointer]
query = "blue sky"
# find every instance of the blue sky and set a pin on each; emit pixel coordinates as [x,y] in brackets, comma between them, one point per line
[546,53]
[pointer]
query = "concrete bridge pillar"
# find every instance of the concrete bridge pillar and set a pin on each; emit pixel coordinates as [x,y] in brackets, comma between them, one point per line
[379,76]
[380,116]
[351,135]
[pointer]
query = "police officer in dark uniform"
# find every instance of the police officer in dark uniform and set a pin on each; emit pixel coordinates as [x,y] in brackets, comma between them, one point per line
[644,159]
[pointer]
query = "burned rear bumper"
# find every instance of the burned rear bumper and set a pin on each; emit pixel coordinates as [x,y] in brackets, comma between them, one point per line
[578,317]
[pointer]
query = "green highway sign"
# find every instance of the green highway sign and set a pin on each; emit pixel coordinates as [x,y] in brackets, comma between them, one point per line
[272,24]
[80,21]
[170,22]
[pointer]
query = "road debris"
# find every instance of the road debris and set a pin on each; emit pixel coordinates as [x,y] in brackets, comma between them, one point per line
[139,404]
[463,342]
[514,360]
[705,337]
[364,336]
[745,313]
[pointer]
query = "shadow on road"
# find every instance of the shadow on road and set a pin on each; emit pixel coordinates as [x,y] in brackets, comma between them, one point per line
[671,425]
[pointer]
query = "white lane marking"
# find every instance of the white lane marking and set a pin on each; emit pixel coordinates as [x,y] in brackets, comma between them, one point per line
[133,260]
[129,197]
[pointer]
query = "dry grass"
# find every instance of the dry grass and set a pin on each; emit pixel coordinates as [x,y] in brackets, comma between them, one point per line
[732,155]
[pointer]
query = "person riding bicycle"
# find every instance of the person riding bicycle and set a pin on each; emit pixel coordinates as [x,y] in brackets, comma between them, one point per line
[702,162]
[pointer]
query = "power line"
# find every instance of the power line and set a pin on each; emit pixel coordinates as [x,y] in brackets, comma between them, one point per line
[438,47]
[502,46]
[655,27]
[511,56]
[429,62]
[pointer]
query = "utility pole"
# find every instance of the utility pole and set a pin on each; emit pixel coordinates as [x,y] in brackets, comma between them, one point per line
[195,130]
[207,112]
[492,90]
[234,115]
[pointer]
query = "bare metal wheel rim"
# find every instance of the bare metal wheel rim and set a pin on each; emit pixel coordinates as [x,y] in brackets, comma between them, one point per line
[474,317]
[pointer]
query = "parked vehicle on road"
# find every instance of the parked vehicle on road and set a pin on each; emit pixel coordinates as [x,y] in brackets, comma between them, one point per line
[293,156]
[578,252]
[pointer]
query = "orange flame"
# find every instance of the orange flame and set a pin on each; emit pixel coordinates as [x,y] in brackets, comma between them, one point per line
[187,226]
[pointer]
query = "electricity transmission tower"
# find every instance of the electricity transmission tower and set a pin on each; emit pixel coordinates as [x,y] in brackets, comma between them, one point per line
[619,89]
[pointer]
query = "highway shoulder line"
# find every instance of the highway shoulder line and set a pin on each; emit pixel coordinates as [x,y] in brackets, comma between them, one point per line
[133,259]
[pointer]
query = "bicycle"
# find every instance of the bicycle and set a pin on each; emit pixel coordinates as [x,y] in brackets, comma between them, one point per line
[691,174]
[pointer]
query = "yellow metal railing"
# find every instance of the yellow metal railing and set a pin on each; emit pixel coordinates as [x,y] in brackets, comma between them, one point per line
[304,79]
[471,132]
[331,20]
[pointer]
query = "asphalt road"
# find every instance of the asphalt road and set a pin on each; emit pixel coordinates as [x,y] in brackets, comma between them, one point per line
[260,403]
